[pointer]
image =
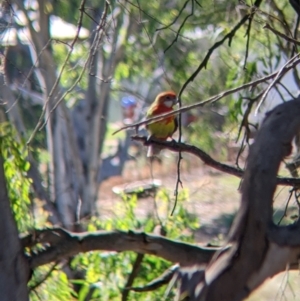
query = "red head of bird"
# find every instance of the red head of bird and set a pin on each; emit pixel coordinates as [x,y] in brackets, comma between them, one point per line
[167,99]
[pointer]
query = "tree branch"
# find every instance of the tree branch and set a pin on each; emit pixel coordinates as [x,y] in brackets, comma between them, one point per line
[65,244]
[208,160]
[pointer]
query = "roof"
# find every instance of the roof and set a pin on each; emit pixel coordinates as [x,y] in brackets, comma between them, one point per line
[59,29]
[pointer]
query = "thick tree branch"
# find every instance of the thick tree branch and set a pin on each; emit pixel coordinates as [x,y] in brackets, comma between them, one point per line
[208,160]
[65,244]
[253,256]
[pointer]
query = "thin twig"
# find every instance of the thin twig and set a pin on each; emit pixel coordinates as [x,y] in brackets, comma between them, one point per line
[245,122]
[294,50]
[132,276]
[207,101]
[178,182]
[91,54]
[248,37]
[44,278]
[40,121]
[153,18]
[241,150]
[286,90]
[283,70]
[286,207]
[176,18]
[282,35]
[155,50]
[298,204]
[228,37]
[158,282]
[180,27]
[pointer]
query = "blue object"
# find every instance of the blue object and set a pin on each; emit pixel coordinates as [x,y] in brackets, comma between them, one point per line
[128,101]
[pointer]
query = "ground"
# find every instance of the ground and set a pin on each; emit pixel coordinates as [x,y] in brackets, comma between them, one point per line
[213,197]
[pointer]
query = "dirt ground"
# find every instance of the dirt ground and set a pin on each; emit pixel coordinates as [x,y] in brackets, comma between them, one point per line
[213,196]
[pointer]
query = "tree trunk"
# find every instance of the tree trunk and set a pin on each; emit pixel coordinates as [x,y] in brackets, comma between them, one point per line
[73,183]
[16,119]
[14,268]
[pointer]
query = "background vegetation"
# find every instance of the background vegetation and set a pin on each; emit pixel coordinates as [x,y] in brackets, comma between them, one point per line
[68,67]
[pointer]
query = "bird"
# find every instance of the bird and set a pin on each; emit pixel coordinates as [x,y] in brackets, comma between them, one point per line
[162,129]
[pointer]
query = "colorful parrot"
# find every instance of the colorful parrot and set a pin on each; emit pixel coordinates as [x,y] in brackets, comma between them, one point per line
[165,128]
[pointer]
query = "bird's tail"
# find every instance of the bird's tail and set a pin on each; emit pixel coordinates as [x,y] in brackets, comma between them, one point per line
[153,150]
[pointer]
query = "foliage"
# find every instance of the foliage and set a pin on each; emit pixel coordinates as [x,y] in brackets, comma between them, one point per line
[16,165]
[57,286]
[106,272]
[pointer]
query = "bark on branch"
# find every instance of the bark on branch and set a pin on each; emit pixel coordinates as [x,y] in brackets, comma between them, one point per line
[64,244]
[258,249]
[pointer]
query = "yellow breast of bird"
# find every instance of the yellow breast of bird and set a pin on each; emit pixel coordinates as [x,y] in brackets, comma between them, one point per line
[162,129]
